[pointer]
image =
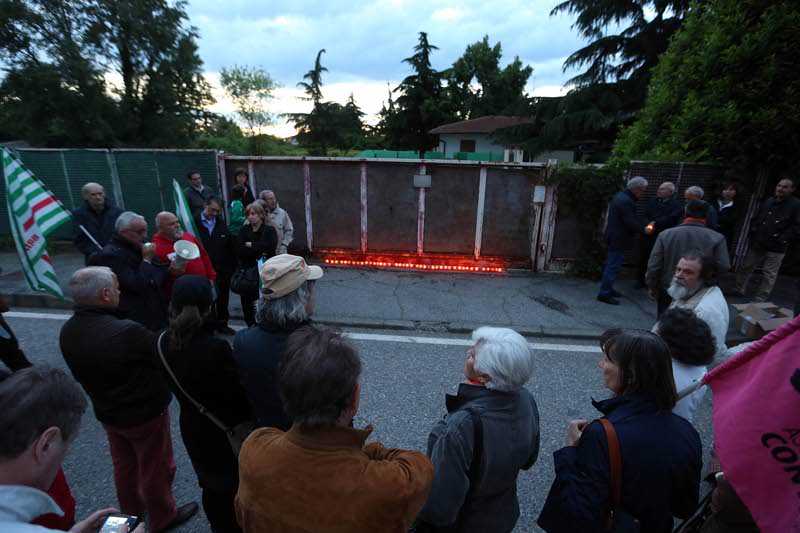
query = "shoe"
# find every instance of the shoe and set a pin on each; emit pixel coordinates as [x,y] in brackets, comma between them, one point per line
[616,294]
[185,512]
[226,330]
[608,300]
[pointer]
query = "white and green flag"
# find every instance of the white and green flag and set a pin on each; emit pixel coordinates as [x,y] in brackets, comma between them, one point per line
[182,210]
[33,213]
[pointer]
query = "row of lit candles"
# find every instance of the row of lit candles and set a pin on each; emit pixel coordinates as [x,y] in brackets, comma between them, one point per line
[412,265]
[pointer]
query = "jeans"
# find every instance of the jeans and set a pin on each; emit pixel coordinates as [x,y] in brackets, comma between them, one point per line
[613,264]
[144,469]
[770,263]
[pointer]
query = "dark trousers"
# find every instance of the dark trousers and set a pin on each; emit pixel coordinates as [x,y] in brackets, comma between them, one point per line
[10,353]
[646,243]
[613,264]
[248,307]
[664,301]
[220,512]
[220,314]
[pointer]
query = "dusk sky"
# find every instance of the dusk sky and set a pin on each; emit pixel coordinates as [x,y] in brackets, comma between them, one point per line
[366,42]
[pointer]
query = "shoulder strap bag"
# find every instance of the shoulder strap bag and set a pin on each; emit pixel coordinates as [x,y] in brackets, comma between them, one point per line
[236,434]
[617,520]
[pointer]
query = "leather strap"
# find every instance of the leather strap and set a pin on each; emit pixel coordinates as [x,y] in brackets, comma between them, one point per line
[615,464]
[214,420]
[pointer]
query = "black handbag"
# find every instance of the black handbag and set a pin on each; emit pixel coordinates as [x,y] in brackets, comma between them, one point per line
[245,280]
[617,520]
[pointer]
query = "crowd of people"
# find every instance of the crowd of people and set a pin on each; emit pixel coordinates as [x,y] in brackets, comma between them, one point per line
[669,229]
[268,420]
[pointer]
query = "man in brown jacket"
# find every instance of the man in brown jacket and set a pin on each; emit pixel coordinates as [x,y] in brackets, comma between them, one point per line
[320,476]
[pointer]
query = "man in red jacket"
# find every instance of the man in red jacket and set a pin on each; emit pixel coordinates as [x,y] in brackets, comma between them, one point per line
[168,232]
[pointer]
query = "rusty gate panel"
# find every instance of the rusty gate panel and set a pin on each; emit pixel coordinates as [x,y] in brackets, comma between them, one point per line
[391,207]
[506,215]
[451,209]
[335,204]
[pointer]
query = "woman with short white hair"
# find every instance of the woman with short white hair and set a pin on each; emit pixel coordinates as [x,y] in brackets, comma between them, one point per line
[490,432]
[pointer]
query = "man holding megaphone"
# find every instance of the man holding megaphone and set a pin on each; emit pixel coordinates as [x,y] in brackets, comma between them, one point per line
[182,250]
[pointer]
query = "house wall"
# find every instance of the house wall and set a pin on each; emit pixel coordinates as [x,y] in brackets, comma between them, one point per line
[451,142]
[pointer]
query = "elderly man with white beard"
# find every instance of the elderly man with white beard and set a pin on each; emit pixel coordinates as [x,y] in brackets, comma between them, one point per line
[694,287]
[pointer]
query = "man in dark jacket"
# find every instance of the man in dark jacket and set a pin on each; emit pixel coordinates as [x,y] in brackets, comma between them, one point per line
[663,212]
[115,361]
[623,225]
[696,193]
[671,245]
[287,284]
[196,193]
[218,242]
[772,230]
[141,278]
[97,216]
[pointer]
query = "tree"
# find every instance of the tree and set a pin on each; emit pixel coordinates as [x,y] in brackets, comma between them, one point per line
[727,90]
[52,94]
[420,106]
[250,89]
[499,90]
[164,94]
[329,124]
[610,92]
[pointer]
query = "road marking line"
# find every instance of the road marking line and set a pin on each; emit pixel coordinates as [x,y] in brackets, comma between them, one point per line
[375,337]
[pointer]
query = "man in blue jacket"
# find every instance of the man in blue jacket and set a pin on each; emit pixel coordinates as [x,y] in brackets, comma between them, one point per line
[623,225]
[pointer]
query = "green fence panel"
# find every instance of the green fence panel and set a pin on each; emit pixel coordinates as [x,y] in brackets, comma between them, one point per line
[84,166]
[176,165]
[140,186]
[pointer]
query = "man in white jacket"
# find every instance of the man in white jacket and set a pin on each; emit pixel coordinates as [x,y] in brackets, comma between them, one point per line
[694,287]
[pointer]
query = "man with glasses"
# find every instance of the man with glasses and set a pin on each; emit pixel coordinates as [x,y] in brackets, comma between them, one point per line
[141,277]
[218,242]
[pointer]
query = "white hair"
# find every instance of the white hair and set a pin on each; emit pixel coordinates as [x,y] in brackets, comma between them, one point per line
[86,284]
[505,356]
[87,186]
[637,182]
[289,309]
[669,185]
[125,219]
[694,190]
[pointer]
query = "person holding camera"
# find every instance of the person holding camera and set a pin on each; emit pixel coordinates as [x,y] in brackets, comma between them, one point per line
[40,415]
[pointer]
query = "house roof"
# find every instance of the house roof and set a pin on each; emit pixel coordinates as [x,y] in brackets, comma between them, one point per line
[486,124]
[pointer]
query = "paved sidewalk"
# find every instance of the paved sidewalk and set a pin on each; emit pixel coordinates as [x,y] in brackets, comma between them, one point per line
[534,304]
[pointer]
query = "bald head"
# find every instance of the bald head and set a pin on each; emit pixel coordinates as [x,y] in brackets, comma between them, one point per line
[95,195]
[167,226]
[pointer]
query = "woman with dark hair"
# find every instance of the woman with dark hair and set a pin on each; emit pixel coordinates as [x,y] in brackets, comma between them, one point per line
[661,453]
[692,346]
[729,213]
[203,366]
[240,178]
[256,239]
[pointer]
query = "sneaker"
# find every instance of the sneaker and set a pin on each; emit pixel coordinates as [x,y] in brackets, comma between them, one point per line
[226,330]
[185,512]
[608,300]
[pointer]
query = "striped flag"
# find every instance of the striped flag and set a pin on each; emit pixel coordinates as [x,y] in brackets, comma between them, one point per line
[182,210]
[34,213]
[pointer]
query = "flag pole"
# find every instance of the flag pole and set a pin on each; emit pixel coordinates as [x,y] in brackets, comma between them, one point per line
[689,389]
[90,236]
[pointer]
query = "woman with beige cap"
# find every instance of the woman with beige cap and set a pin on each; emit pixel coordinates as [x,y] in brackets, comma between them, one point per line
[286,305]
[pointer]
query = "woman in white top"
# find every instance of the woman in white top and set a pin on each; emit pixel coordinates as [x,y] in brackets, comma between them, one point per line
[693,346]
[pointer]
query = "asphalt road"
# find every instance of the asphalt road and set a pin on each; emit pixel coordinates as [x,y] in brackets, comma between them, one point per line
[403,395]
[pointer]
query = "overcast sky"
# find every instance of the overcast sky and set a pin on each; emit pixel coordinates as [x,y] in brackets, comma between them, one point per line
[366,42]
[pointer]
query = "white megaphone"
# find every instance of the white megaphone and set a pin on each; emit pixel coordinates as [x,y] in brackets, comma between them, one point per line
[185,251]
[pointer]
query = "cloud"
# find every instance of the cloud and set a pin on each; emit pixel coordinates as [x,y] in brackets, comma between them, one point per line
[366,41]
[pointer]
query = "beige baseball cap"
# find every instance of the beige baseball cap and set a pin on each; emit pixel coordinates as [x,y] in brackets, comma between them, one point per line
[284,274]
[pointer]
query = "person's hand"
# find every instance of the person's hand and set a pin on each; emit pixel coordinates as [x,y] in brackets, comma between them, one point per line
[94,522]
[176,269]
[148,251]
[652,294]
[574,431]
[248,244]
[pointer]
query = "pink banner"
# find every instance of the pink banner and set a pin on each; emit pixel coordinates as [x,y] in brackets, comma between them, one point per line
[757,427]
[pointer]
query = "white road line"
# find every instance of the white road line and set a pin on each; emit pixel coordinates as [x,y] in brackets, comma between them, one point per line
[375,337]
